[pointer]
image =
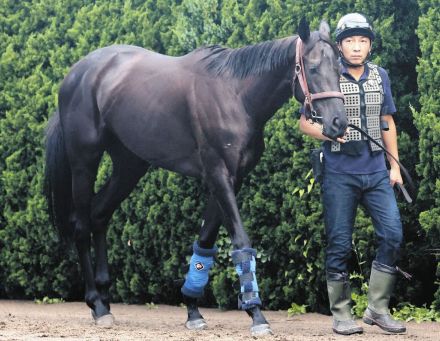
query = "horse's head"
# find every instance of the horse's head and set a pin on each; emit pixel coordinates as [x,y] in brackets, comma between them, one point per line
[316,80]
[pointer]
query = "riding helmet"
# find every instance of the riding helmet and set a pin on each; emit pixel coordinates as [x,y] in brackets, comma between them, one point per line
[353,24]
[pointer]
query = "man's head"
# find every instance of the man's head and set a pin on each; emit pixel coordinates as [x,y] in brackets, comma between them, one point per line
[354,36]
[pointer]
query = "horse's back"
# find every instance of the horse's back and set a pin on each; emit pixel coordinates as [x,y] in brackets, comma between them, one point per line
[107,61]
[139,96]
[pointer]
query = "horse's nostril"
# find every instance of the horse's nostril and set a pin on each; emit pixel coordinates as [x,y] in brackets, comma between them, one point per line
[338,126]
[336,123]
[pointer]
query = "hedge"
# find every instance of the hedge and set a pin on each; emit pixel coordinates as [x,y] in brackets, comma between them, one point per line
[150,236]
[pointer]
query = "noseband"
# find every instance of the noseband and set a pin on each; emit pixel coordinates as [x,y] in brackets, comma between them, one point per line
[300,74]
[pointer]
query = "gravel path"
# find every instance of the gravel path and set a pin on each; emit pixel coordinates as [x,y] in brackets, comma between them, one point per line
[25,320]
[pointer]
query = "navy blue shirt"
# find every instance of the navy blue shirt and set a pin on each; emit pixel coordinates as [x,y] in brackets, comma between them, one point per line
[366,162]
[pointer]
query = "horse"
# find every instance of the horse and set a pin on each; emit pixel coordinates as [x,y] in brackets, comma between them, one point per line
[201,115]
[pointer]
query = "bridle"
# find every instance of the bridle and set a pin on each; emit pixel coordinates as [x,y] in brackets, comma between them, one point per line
[300,75]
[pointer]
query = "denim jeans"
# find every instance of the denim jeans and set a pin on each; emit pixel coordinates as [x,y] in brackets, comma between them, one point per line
[342,193]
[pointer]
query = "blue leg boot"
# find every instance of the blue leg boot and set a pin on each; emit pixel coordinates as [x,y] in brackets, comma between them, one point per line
[245,265]
[195,282]
[248,299]
[199,266]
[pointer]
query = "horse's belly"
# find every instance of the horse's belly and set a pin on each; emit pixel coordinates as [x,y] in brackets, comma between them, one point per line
[159,138]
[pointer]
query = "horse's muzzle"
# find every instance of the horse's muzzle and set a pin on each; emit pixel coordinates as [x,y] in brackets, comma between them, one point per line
[335,129]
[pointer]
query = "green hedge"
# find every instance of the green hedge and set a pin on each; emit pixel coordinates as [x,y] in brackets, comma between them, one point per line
[428,125]
[150,236]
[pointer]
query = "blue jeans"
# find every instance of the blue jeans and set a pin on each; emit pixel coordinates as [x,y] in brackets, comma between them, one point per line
[342,193]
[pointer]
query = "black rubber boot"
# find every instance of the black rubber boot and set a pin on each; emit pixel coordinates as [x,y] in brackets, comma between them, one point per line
[382,280]
[339,294]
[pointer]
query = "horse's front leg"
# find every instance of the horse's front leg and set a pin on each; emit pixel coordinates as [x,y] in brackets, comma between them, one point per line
[203,257]
[249,299]
[212,219]
[223,188]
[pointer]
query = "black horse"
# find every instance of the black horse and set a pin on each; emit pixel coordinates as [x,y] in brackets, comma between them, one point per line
[201,115]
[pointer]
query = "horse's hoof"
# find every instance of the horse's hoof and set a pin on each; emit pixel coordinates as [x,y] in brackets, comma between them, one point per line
[198,324]
[261,330]
[105,321]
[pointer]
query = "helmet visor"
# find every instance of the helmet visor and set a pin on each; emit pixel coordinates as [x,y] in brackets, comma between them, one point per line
[354,24]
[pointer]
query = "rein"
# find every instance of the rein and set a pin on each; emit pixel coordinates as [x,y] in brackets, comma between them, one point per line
[412,188]
[302,80]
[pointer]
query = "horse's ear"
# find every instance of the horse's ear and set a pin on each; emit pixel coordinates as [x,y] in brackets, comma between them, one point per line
[304,29]
[324,29]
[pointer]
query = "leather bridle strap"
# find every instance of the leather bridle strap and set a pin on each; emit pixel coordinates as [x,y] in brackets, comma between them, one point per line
[405,172]
[302,80]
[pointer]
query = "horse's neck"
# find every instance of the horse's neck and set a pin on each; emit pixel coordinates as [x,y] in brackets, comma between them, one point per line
[265,94]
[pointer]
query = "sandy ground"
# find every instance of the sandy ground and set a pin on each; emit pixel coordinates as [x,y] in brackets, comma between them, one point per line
[25,320]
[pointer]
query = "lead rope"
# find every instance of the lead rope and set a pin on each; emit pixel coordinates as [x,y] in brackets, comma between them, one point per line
[404,274]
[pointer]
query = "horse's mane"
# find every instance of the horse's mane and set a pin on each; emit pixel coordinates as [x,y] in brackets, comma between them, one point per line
[249,60]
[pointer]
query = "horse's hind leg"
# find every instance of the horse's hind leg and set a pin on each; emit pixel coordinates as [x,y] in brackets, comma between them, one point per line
[84,168]
[84,140]
[127,170]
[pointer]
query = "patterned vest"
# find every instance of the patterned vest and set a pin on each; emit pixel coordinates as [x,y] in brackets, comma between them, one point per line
[363,104]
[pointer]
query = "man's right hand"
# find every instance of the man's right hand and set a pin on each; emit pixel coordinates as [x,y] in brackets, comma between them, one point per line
[343,139]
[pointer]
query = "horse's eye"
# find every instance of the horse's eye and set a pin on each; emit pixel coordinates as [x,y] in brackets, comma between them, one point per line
[313,68]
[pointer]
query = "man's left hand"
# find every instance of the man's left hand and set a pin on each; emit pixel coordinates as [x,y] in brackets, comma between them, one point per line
[395,176]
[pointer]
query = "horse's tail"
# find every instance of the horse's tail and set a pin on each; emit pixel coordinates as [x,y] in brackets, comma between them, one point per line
[58,179]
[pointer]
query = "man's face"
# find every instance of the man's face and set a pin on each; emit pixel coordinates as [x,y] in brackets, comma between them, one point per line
[355,48]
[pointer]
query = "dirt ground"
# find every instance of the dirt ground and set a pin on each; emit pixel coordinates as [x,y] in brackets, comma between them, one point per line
[25,320]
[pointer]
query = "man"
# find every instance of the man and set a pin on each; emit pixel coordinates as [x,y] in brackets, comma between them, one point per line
[355,173]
